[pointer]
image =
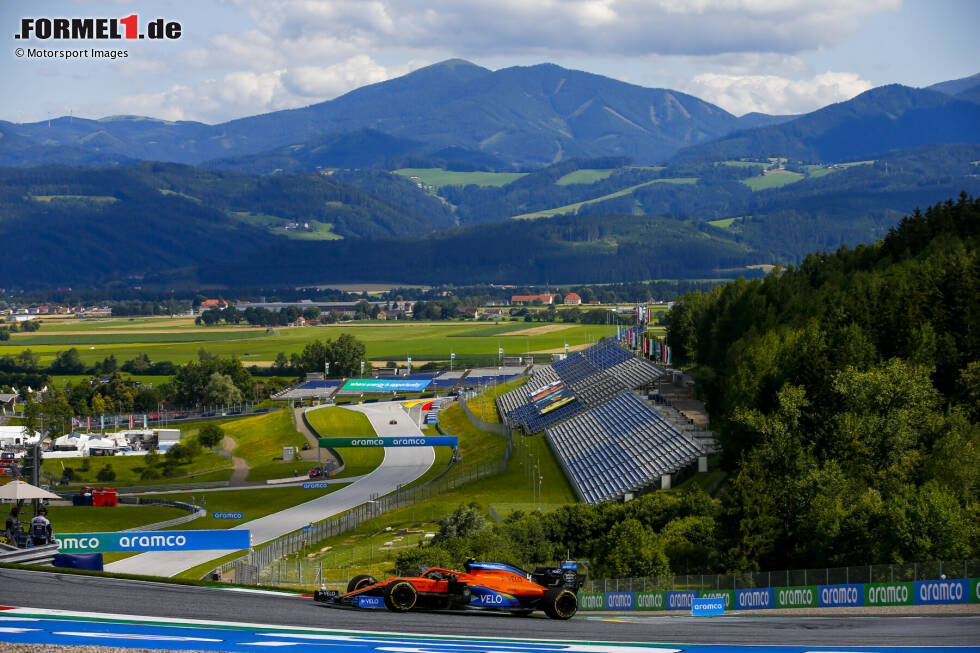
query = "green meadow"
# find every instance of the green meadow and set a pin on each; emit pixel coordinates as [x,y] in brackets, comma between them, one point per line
[384,340]
[438,177]
[571,208]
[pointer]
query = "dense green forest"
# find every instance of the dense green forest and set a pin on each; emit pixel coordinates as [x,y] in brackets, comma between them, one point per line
[845,394]
[845,391]
[172,226]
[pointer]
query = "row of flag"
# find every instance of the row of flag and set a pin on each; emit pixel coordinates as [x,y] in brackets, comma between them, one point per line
[113,419]
[635,337]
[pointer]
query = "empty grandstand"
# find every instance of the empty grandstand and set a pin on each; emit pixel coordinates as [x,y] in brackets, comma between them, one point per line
[594,376]
[609,442]
[619,447]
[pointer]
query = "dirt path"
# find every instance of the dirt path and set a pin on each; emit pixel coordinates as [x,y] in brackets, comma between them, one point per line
[238,465]
[311,437]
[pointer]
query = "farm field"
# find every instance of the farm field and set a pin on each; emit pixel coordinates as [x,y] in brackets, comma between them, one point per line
[772,180]
[384,341]
[438,177]
[584,176]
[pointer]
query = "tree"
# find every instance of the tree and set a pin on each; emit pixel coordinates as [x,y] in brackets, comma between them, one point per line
[462,523]
[4,333]
[221,389]
[67,362]
[210,435]
[311,312]
[281,363]
[106,474]
[631,550]
[346,352]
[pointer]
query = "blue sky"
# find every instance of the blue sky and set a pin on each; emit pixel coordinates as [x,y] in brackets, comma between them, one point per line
[238,58]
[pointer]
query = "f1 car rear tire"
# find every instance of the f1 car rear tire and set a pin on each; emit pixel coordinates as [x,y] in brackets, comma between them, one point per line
[401,596]
[357,582]
[559,603]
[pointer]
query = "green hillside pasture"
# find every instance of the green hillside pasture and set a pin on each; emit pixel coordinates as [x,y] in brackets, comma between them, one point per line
[570,208]
[86,519]
[333,421]
[772,180]
[206,467]
[744,164]
[260,440]
[89,198]
[438,177]
[317,231]
[475,446]
[724,223]
[384,341]
[584,176]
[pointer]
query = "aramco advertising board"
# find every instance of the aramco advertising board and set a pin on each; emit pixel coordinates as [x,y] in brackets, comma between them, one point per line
[386,385]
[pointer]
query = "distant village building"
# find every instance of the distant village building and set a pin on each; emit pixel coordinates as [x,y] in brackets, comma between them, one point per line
[524,300]
[572,299]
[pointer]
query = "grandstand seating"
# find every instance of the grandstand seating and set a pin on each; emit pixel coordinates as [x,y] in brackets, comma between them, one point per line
[621,446]
[594,375]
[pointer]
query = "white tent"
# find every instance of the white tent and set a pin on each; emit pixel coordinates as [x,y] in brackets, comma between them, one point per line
[68,442]
[97,444]
[11,436]
[22,490]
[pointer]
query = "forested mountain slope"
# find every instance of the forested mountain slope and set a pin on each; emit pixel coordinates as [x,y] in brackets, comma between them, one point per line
[846,394]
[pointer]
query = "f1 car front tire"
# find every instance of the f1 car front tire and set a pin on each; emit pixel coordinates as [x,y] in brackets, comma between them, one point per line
[559,603]
[357,582]
[401,596]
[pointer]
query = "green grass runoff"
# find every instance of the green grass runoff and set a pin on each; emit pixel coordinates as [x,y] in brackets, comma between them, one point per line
[86,519]
[334,421]
[569,208]
[251,503]
[438,177]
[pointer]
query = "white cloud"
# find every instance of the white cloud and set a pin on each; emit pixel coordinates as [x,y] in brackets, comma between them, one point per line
[303,51]
[244,93]
[742,94]
[632,27]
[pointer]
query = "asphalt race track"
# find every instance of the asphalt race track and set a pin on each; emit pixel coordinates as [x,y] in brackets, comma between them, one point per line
[104,595]
[400,467]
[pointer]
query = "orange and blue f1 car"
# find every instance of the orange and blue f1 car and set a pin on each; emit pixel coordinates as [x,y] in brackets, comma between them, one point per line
[483,585]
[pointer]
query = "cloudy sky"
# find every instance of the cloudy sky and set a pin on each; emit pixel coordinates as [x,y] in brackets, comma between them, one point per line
[243,57]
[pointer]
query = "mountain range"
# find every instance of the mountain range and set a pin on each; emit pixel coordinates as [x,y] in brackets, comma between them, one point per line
[307,195]
[525,116]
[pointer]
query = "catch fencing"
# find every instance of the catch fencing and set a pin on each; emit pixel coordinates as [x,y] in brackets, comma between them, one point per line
[489,427]
[894,573]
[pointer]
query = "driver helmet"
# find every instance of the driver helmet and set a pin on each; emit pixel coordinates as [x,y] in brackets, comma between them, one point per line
[468,564]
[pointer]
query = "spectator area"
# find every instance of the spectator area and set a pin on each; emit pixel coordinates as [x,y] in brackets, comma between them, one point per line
[619,447]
